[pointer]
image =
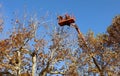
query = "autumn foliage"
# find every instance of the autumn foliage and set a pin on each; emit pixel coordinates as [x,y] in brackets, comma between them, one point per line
[29,52]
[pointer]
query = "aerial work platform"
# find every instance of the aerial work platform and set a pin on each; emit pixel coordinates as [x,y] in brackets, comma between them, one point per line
[65,20]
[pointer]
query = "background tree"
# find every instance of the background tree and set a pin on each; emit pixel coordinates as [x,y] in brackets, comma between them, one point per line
[102,55]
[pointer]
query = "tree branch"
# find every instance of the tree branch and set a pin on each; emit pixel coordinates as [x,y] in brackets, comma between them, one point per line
[56,72]
[96,64]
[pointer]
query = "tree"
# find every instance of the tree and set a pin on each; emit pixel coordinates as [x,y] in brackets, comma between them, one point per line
[14,48]
[61,51]
[102,55]
[25,52]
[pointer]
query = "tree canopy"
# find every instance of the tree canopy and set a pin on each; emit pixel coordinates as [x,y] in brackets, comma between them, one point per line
[28,51]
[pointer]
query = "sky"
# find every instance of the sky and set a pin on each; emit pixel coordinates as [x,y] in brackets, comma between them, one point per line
[95,15]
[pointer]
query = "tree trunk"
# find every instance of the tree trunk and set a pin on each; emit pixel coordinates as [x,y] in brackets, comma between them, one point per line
[19,63]
[45,70]
[33,65]
[101,73]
